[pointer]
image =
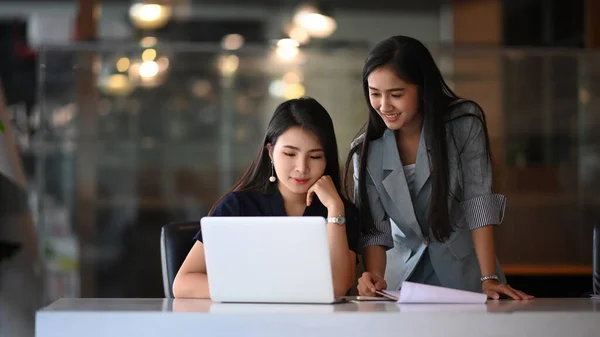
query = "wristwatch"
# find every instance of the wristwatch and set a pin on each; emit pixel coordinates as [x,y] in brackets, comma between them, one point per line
[338,220]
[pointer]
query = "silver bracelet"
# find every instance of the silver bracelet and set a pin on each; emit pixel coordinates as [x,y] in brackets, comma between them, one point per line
[490,277]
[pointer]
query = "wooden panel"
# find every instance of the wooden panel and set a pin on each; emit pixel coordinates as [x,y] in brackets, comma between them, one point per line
[87,103]
[518,269]
[592,24]
[477,22]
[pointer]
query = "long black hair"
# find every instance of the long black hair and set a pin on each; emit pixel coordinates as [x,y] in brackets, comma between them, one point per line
[307,114]
[414,64]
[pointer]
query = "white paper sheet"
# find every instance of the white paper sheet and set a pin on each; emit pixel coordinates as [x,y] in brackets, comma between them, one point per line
[444,307]
[422,293]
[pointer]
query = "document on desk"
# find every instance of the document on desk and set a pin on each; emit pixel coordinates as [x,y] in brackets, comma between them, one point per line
[422,293]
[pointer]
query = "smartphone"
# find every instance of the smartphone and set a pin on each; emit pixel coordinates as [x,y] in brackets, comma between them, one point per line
[368,298]
[386,295]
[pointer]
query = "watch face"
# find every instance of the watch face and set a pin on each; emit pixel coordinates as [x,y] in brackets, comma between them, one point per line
[337,219]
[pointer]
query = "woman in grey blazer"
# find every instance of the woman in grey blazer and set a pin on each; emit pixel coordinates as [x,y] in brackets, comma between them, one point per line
[422,179]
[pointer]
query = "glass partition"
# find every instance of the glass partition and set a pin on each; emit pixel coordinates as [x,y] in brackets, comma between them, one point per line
[133,137]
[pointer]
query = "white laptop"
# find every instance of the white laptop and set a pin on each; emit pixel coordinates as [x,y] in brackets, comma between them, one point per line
[268,259]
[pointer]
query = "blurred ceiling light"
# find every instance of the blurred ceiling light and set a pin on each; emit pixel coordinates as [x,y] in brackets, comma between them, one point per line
[116,85]
[148,69]
[163,63]
[201,88]
[299,34]
[232,42]
[287,49]
[281,89]
[294,90]
[315,21]
[148,74]
[584,96]
[288,43]
[134,70]
[123,64]
[287,53]
[228,65]
[97,65]
[241,134]
[277,88]
[149,15]
[149,55]
[148,41]
[63,115]
[292,77]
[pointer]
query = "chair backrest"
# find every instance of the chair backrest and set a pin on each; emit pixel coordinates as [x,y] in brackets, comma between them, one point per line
[176,240]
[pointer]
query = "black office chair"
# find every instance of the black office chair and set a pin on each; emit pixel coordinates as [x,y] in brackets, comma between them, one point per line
[176,240]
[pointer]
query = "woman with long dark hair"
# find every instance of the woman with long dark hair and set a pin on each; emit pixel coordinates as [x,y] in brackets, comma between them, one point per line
[422,179]
[295,173]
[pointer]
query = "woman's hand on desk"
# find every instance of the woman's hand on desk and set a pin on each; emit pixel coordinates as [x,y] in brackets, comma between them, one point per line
[494,290]
[368,283]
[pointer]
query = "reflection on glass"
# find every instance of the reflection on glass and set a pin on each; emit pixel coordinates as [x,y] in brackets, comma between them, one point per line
[508,305]
[232,42]
[191,305]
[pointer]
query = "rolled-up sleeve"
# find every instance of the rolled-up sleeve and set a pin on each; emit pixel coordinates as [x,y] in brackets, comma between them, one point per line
[480,205]
[484,210]
[379,232]
[379,235]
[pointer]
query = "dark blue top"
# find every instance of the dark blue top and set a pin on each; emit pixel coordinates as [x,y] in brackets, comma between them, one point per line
[271,204]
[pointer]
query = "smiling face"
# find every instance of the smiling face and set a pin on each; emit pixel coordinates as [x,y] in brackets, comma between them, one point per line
[395,101]
[299,160]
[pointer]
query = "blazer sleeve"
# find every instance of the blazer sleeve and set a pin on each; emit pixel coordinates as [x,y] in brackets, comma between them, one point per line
[480,205]
[379,232]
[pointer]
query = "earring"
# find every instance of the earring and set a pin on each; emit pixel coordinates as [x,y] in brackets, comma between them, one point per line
[272,178]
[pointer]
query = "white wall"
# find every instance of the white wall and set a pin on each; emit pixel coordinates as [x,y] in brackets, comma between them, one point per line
[54,23]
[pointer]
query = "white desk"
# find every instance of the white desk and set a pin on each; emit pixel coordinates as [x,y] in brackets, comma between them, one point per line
[166,318]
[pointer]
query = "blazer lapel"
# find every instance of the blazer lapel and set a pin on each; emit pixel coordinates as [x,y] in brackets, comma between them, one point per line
[394,183]
[375,160]
[423,169]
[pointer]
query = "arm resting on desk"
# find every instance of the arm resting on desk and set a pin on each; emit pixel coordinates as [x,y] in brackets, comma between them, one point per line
[343,260]
[374,259]
[483,240]
[191,280]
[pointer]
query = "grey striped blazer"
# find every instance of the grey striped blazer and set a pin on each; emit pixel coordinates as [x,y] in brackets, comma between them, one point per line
[400,222]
